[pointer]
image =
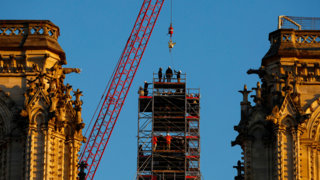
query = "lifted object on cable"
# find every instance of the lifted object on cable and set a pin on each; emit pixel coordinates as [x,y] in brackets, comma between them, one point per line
[171,44]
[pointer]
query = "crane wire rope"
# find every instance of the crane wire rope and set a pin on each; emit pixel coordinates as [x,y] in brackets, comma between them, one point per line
[171,11]
[171,21]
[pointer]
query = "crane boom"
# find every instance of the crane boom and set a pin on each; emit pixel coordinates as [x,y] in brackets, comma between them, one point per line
[122,78]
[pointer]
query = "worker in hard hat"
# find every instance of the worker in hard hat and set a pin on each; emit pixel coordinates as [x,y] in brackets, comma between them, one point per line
[154,142]
[160,74]
[168,140]
[169,74]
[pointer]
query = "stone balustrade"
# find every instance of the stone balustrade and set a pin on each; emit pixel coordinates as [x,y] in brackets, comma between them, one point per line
[293,43]
[28,27]
[295,36]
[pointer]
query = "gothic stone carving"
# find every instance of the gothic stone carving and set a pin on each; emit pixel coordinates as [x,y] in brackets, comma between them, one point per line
[280,134]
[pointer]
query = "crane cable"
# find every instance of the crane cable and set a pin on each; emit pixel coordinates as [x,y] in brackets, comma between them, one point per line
[171,11]
[171,57]
[171,43]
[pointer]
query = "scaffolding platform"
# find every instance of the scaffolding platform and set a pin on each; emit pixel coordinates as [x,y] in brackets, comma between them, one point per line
[168,131]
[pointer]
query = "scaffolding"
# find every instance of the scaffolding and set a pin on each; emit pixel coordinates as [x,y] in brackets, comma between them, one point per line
[168,131]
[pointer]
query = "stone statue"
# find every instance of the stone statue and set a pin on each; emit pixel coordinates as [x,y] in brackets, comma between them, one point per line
[68,91]
[245,94]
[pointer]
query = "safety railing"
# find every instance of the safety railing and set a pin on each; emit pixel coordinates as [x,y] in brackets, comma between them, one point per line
[175,77]
[193,93]
[298,23]
[194,175]
[172,176]
[168,92]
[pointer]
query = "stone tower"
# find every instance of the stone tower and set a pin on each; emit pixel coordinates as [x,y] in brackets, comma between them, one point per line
[40,122]
[280,133]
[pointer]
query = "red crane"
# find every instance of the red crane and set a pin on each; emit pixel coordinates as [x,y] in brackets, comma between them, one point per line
[117,90]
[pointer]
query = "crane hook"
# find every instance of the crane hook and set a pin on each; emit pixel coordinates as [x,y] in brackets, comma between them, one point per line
[170,30]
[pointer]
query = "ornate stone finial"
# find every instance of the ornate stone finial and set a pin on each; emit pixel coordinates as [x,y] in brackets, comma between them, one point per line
[245,94]
[257,97]
[77,103]
[82,167]
[239,167]
[77,94]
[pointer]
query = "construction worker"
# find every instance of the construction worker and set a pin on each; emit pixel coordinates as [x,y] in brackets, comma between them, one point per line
[168,140]
[140,92]
[146,88]
[169,74]
[178,75]
[154,142]
[160,74]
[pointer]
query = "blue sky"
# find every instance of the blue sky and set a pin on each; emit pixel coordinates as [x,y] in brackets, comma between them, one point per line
[217,42]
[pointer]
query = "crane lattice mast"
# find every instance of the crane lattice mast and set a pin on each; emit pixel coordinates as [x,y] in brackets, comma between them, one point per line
[122,78]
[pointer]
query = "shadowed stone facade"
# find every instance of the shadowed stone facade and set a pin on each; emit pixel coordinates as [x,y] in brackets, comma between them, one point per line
[40,122]
[280,133]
